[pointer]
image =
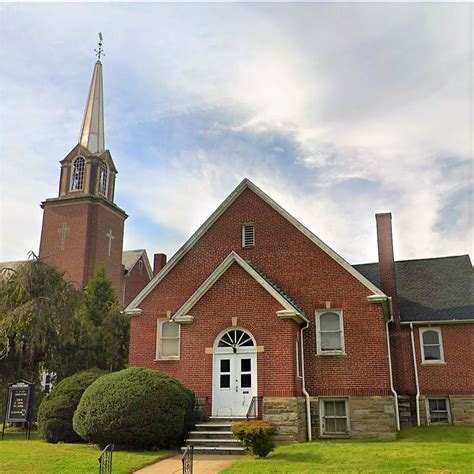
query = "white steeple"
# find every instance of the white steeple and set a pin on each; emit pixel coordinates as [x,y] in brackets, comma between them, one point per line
[92,131]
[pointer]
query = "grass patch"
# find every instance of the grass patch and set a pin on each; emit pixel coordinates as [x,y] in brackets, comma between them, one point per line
[36,456]
[434,449]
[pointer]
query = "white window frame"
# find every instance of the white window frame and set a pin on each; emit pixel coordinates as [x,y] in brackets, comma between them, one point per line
[159,324]
[248,224]
[441,349]
[322,432]
[428,413]
[71,184]
[105,191]
[319,313]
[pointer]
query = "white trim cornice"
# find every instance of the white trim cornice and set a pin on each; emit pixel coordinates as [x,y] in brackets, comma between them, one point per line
[219,271]
[443,321]
[247,184]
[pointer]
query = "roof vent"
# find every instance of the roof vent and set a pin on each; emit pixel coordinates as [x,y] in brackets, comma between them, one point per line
[248,235]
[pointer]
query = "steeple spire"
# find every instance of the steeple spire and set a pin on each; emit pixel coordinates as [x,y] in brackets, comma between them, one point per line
[92,131]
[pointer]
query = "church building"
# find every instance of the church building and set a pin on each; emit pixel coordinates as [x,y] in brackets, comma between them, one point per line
[261,319]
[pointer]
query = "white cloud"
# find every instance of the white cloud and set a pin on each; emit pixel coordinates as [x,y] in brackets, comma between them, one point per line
[380,93]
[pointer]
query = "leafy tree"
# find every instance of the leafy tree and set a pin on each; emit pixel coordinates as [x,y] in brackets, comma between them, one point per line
[38,322]
[107,325]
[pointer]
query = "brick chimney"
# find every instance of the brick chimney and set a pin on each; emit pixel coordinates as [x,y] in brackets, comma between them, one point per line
[159,261]
[388,280]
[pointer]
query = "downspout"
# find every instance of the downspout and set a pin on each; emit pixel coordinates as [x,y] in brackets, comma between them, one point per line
[305,393]
[416,376]
[388,309]
[392,388]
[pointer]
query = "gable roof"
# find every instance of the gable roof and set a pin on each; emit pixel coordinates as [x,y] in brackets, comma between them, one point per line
[431,289]
[247,184]
[131,257]
[287,303]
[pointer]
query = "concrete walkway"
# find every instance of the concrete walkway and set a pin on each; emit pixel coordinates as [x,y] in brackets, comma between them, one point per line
[203,464]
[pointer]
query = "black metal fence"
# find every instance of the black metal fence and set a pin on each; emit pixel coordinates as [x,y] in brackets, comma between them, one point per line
[187,460]
[105,460]
[255,410]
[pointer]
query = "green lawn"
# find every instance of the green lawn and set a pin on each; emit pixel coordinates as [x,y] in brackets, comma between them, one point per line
[434,449]
[18,455]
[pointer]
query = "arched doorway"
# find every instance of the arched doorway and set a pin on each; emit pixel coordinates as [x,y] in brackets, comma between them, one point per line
[234,373]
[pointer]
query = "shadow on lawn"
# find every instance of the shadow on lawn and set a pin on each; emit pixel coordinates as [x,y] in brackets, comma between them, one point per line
[296,457]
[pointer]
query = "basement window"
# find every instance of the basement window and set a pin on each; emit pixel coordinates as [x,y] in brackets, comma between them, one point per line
[438,411]
[334,417]
[168,340]
[248,235]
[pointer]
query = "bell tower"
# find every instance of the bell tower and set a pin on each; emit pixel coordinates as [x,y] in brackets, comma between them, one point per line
[83,227]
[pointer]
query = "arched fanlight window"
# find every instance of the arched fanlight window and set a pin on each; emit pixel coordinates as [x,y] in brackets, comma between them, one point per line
[235,338]
[77,177]
[103,178]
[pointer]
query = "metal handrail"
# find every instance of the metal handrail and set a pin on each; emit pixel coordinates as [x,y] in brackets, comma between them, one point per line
[105,459]
[255,411]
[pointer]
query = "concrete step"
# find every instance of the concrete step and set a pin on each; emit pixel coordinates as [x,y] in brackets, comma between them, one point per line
[211,434]
[227,419]
[214,442]
[210,426]
[217,450]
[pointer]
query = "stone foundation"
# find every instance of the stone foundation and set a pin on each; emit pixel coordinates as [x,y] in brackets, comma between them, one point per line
[369,417]
[200,409]
[288,415]
[372,417]
[407,410]
[462,409]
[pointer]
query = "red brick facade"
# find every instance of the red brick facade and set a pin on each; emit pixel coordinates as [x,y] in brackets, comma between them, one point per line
[135,280]
[304,271]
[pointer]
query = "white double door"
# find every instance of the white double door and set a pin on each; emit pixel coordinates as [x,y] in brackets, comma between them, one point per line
[234,383]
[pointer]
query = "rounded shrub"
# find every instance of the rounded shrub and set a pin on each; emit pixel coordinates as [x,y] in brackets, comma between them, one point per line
[57,408]
[257,436]
[135,408]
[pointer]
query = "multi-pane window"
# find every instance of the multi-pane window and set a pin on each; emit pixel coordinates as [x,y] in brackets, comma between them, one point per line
[248,235]
[334,417]
[330,331]
[438,410]
[77,177]
[431,345]
[103,178]
[168,339]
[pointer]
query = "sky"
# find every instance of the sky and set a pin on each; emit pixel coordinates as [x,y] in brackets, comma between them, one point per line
[337,111]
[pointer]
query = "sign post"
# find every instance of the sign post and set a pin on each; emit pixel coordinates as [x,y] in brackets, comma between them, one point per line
[19,406]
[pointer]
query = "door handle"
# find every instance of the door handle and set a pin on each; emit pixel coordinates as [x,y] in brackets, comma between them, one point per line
[236,388]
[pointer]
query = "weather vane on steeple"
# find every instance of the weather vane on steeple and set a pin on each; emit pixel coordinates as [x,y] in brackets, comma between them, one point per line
[99,52]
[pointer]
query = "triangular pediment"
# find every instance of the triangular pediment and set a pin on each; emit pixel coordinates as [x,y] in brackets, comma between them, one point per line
[290,309]
[247,184]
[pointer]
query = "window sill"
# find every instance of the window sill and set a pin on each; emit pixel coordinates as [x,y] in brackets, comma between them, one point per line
[168,359]
[331,354]
[433,363]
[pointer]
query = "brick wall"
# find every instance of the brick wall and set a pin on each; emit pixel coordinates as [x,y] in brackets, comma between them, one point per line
[135,281]
[303,271]
[86,243]
[454,377]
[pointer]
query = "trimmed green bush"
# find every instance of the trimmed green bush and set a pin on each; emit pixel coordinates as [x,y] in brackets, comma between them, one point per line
[256,436]
[135,408]
[57,408]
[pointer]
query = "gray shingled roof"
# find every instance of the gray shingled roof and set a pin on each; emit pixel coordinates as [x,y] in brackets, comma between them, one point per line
[290,300]
[432,289]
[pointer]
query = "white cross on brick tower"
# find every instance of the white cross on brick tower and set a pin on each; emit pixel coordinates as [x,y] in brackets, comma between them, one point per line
[111,237]
[63,231]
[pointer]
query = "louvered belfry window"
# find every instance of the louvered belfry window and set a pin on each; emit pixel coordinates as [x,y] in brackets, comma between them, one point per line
[248,235]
